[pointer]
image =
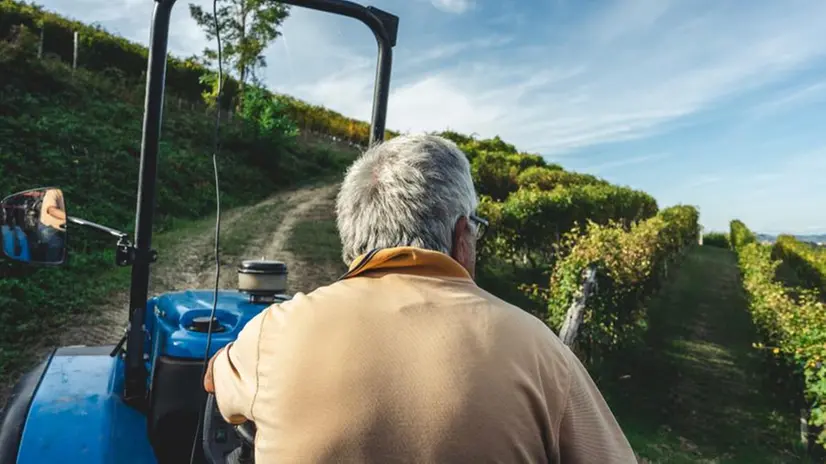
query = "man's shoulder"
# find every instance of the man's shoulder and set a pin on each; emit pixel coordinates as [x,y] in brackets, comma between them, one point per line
[535,334]
[518,314]
[363,291]
[511,330]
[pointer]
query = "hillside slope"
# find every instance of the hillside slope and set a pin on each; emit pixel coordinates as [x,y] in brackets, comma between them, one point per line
[81,132]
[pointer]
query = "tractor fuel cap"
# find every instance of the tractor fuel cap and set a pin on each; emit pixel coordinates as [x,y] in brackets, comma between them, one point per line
[201,324]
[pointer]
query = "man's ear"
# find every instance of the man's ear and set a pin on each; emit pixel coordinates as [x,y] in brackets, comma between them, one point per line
[459,252]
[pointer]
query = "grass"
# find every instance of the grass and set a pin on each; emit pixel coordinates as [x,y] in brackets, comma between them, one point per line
[247,226]
[316,241]
[697,391]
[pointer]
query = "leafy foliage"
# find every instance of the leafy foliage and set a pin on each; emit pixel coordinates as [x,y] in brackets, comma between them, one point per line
[190,79]
[717,239]
[807,260]
[530,204]
[527,224]
[100,50]
[545,178]
[495,172]
[740,235]
[791,321]
[631,264]
[246,27]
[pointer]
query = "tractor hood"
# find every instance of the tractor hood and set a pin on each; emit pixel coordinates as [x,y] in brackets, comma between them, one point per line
[179,321]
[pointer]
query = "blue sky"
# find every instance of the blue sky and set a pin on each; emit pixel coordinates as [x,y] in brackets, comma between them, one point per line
[719,104]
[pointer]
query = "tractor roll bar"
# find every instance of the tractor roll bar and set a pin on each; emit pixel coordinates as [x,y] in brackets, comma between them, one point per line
[135,389]
[384,26]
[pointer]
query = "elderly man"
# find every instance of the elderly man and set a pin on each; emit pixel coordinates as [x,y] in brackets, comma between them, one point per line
[405,358]
[52,227]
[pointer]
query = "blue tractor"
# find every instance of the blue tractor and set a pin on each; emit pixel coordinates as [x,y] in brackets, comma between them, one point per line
[142,400]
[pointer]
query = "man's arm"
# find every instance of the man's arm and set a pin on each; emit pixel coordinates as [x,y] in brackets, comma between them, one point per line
[588,431]
[56,213]
[232,374]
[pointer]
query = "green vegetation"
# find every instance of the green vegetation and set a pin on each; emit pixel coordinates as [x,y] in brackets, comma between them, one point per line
[740,235]
[806,260]
[247,27]
[316,242]
[791,322]
[717,239]
[187,79]
[696,391]
[531,205]
[81,132]
[631,265]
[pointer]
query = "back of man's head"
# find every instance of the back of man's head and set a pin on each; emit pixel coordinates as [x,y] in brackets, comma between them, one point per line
[408,191]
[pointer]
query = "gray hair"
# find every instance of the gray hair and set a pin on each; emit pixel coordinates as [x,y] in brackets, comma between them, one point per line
[408,191]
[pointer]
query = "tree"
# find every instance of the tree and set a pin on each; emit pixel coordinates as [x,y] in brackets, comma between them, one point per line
[247,27]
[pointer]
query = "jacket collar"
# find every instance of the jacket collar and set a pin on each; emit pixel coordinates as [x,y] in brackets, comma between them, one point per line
[407,260]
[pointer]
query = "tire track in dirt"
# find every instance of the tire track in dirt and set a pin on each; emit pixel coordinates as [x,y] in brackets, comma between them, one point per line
[178,267]
[191,263]
[271,243]
[303,276]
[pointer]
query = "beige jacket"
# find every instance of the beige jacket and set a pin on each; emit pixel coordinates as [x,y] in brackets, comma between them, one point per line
[406,359]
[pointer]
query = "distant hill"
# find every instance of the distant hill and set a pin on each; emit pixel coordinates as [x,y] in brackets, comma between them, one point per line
[813,238]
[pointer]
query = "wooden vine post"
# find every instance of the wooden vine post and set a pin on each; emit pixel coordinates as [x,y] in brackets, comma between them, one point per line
[573,319]
[74,55]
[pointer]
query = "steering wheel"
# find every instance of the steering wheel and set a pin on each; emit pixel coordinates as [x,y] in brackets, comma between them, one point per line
[225,443]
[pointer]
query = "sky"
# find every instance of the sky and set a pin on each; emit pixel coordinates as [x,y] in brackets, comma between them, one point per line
[719,104]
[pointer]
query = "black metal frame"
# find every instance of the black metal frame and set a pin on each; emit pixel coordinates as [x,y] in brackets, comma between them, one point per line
[384,26]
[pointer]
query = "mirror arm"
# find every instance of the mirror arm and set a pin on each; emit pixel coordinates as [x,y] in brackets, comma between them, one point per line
[125,254]
[83,222]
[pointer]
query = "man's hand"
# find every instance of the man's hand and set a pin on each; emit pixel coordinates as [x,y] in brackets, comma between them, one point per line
[209,381]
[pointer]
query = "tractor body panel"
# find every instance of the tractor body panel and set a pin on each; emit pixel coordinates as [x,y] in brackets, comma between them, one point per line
[77,414]
[175,347]
[172,315]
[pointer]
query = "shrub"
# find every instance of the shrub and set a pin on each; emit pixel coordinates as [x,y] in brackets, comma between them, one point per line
[791,321]
[740,235]
[807,260]
[630,265]
[717,239]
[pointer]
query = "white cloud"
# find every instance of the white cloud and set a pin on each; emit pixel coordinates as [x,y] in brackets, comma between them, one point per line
[619,163]
[453,6]
[449,50]
[702,180]
[657,67]
[787,100]
[629,70]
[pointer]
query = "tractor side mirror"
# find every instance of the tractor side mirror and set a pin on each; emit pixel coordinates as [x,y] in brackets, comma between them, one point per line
[33,226]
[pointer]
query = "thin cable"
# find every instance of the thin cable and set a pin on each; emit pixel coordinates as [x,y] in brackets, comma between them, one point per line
[217,220]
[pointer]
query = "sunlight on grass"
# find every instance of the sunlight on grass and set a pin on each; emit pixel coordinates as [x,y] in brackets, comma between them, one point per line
[695,391]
